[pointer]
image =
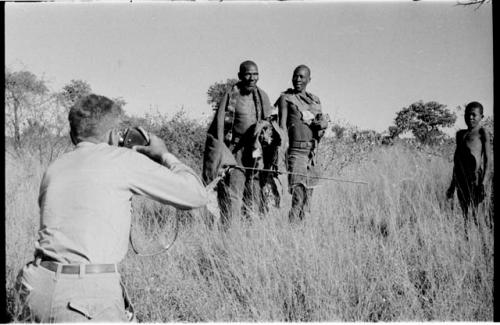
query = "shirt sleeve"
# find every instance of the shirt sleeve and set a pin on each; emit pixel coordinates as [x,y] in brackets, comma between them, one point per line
[176,185]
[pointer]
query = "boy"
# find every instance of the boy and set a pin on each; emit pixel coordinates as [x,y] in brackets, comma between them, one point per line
[471,162]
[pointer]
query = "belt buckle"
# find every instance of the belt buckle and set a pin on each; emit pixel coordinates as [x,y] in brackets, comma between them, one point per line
[81,268]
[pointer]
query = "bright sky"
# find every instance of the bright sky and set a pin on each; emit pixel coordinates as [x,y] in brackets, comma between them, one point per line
[368,59]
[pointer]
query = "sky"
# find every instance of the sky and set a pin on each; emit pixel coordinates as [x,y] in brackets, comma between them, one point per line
[368,59]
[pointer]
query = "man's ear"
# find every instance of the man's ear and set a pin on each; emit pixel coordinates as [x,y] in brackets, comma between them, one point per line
[113,137]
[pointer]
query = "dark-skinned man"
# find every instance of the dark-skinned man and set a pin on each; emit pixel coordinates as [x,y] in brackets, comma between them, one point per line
[240,112]
[301,116]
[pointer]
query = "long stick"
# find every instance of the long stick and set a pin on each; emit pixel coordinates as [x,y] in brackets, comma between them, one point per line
[298,174]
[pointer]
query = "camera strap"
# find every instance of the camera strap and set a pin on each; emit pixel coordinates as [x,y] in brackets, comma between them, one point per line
[162,250]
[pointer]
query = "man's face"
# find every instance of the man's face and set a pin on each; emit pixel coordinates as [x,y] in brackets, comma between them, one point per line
[249,77]
[473,117]
[300,79]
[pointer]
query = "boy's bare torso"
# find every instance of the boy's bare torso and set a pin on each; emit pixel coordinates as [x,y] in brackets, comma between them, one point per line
[470,145]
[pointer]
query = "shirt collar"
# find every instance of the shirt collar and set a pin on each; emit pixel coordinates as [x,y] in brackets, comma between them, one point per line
[84,143]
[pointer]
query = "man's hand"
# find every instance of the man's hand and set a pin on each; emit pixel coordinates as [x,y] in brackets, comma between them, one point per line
[155,150]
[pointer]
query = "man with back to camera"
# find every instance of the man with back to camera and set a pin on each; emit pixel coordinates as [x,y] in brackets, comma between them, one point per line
[85,216]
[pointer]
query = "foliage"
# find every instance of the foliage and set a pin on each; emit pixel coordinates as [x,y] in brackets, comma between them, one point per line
[488,124]
[338,130]
[75,90]
[25,94]
[389,251]
[217,90]
[37,117]
[424,120]
[393,131]
[185,138]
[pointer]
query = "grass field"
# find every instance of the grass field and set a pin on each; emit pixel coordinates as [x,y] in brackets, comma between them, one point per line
[392,250]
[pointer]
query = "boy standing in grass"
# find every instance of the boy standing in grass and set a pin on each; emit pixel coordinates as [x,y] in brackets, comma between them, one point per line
[471,163]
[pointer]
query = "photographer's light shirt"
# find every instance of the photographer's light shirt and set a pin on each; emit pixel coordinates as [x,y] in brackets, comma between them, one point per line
[85,200]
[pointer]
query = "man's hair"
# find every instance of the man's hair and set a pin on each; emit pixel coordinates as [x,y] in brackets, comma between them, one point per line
[303,66]
[245,64]
[92,116]
[473,105]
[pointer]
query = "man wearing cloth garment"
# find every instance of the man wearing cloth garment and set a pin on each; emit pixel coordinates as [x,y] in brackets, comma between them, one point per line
[239,112]
[85,206]
[300,114]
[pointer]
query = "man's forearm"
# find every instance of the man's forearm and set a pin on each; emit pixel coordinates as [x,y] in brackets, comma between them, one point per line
[189,183]
[168,160]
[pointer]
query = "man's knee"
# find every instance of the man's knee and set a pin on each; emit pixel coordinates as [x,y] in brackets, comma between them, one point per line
[299,193]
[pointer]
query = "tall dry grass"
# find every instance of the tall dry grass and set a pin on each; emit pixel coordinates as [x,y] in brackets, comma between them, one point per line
[392,250]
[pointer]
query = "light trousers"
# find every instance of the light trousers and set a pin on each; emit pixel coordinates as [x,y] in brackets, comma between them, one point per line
[53,297]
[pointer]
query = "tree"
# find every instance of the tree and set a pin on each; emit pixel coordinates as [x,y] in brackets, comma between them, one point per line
[184,137]
[75,90]
[23,92]
[393,131]
[488,124]
[119,101]
[217,90]
[424,120]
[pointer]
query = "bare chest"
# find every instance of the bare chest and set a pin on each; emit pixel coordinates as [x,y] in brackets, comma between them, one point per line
[472,141]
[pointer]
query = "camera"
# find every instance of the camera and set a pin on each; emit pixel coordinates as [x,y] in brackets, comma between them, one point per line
[134,136]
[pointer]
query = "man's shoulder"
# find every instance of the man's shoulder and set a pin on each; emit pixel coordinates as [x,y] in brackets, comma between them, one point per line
[114,154]
[482,130]
[314,97]
[484,133]
[287,94]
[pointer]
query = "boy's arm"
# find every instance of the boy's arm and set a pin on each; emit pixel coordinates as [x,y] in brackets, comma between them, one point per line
[485,139]
[451,188]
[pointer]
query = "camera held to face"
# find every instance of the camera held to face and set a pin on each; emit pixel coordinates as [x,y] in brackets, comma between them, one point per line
[134,136]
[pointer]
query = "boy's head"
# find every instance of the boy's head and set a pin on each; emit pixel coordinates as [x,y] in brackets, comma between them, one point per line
[473,114]
[92,117]
[473,105]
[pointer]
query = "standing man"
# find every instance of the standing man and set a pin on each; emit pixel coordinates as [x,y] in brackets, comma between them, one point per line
[85,206]
[301,116]
[240,110]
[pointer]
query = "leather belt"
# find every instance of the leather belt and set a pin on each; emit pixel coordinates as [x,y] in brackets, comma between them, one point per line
[301,144]
[75,268]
